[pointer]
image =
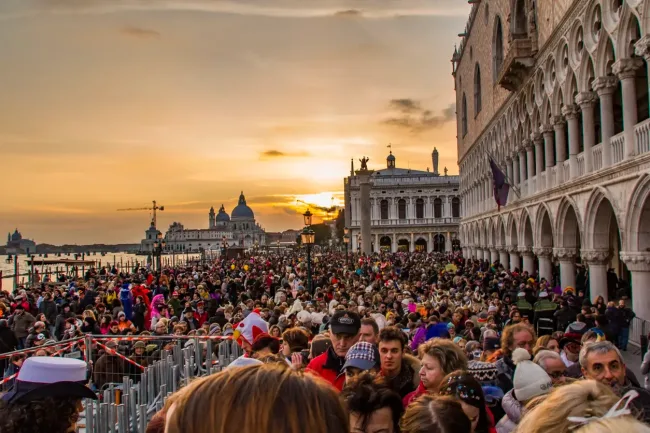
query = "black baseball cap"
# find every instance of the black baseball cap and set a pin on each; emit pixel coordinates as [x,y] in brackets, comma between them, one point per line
[345,322]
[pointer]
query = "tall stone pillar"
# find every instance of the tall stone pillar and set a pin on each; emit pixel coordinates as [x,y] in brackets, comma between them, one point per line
[545,266]
[560,148]
[530,166]
[376,248]
[597,260]
[430,243]
[515,168]
[529,259]
[412,243]
[639,265]
[549,154]
[364,183]
[504,258]
[626,71]
[522,165]
[567,258]
[394,243]
[514,257]
[571,114]
[494,255]
[605,87]
[448,246]
[586,101]
[539,160]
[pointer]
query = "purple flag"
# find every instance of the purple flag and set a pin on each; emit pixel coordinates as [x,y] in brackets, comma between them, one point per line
[501,187]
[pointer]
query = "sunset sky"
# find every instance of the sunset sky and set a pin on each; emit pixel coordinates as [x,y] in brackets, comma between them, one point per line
[111,104]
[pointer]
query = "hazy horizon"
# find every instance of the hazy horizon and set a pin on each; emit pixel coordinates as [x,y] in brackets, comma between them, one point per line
[110,105]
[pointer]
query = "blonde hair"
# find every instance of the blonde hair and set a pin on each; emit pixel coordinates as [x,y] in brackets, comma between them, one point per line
[264,398]
[508,336]
[584,398]
[450,356]
[541,343]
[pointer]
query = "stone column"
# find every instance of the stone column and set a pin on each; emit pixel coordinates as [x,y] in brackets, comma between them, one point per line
[509,169]
[430,243]
[530,166]
[570,112]
[626,71]
[586,101]
[515,168]
[394,243]
[539,161]
[364,183]
[376,249]
[597,260]
[494,255]
[529,259]
[504,258]
[448,243]
[549,153]
[522,164]
[412,243]
[642,49]
[545,266]
[560,148]
[605,87]
[514,257]
[639,265]
[567,258]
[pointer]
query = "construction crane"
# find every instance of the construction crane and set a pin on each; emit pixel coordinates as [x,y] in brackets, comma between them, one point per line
[153,209]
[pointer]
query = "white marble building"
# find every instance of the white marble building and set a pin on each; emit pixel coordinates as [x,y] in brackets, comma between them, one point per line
[561,102]
[411,210]
[237,229]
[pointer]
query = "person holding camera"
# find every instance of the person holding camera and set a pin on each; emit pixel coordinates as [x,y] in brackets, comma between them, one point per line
[295,347]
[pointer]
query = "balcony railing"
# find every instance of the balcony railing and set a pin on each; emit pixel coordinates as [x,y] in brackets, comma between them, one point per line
[409,222]
[581,164]
[618,148]
[642,133]
[566,169]
[597,153]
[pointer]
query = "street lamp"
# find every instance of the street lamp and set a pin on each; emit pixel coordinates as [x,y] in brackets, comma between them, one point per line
[346,241]
[307,236]
[307,217]
[158,245]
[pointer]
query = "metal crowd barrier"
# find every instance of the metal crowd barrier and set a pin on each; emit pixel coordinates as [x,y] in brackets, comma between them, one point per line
[639,329]
[127,406]
[133,392]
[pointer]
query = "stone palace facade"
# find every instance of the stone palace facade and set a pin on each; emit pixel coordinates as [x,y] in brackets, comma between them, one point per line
[411,210]
[557,93]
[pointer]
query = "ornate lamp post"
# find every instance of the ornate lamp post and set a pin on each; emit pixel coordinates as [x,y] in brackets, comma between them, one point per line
[308,238]
[158,247]
[346,241]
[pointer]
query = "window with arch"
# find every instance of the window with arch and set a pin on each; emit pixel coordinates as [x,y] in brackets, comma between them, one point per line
[520,23]
[419,208]
[464,115]
[477,90]
[437,208]
[401,209]
[455,207]
[497,47]
[383,209]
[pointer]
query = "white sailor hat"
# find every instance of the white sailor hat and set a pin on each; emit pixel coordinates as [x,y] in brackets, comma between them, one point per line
[41,377]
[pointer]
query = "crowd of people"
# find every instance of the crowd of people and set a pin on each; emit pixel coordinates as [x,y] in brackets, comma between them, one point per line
[395,342]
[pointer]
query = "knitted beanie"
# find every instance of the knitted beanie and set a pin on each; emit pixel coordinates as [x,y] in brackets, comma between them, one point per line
[484,372]
[530,380]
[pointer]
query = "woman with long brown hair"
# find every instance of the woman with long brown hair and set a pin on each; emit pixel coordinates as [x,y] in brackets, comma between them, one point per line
[266,398]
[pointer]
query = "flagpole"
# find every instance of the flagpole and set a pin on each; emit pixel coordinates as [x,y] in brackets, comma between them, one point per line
[505,173]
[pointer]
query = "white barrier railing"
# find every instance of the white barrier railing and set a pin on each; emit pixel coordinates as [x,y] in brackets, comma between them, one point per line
[597,153]
[618,148]
[642,134]
[581,164]
[566,168]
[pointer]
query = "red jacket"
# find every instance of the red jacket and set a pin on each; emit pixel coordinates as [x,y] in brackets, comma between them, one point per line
[414,395]
[201,318]
[330,367]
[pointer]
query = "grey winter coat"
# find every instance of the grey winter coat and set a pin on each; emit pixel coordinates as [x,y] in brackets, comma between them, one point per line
[513,409]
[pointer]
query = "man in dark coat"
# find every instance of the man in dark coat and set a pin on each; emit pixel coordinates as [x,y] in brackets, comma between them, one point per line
[8,342]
